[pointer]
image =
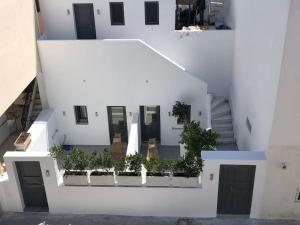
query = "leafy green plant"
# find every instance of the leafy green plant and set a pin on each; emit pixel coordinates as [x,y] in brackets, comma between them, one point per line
[57,152]
[181,111]
[95,161]
[67,163]
[197,139]
[134,162]
[79,159]
[120,165]
[151,164]
[190,165]
[107,162]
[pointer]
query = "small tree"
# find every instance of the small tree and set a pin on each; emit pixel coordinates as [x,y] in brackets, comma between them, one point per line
[181,111]
[79,159]
[95,161]
[197,139]
[57,152]
[134,163]
[107,162]
[190,165]
[120,165]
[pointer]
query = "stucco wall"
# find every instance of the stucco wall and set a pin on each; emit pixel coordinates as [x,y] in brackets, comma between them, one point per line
[260,28]
[172,202]
[207,55]
[18,49]
[281,185]
[100,73]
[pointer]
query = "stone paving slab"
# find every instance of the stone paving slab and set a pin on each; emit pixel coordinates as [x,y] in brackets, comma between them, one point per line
[49,219]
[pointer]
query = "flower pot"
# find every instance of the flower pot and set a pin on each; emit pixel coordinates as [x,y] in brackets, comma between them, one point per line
[100,178]
[75,178]
[180,181]
[158,180]
[129,179]
[22,141]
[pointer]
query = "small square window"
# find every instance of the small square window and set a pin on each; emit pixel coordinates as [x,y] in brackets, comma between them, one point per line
[81,115]
[117,13]
[187,116]
[151,13]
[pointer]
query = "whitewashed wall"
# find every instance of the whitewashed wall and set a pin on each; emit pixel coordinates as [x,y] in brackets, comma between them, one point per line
[101,73]
[172,202]
[281,185]
[260,28]
[207,55]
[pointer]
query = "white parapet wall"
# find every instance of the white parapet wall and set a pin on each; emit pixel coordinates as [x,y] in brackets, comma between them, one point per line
[134,136]
[131,201]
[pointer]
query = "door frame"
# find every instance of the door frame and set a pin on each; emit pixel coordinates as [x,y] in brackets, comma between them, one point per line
[110,128]
[20,182]
[221,185]
[76,22]
[142,120]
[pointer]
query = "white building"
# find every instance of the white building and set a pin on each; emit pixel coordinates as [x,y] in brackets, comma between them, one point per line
[106,67]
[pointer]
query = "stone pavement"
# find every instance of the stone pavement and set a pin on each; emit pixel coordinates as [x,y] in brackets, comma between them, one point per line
[48,219]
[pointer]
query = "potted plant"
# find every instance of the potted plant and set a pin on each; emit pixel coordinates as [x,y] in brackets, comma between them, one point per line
[182,112]
[22,141]
[187,170]
[128,170]
[195,139]
[75,165]
[101,166]
[157,175]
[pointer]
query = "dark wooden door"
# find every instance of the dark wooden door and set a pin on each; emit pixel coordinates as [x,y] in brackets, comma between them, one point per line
[85,21]
[32,184]
[150,122]
[235,189]
[117,122]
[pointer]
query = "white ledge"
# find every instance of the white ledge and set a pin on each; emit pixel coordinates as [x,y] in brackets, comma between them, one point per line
[233,155]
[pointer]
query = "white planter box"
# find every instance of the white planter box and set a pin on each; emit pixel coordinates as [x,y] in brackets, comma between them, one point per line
[75,180]
[156,181]
[185,182]
[129,180]
[22,141]
[102,180]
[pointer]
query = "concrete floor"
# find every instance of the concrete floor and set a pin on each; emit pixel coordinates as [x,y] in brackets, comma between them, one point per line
[164,151]
[47,219]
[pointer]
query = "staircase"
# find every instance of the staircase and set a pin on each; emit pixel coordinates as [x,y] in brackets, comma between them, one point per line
[33,107]
[221,121]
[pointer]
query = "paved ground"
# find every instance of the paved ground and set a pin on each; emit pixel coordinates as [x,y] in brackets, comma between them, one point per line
[46,219]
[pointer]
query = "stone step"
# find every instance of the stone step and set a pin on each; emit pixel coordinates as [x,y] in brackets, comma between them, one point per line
[222,127]
[226,134]
[217,102]
[222,120]
[221,111]
[225,141]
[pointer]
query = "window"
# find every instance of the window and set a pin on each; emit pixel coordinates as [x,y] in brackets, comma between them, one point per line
[81,115]
[151,13]
[298,195]
[37,5]
[187,115]
[117,13]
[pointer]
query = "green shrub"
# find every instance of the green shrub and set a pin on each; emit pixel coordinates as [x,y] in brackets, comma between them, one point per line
[95,161]
[190,165]
[79,159]
[180,111]
[134,162]
[197,139]
[107,162]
